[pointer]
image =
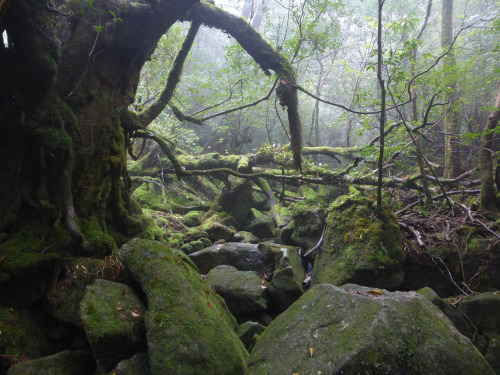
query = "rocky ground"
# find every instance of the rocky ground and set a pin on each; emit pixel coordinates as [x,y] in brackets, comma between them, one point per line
[323,282]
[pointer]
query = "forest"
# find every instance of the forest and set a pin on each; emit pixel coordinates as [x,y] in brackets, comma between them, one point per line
[249,187]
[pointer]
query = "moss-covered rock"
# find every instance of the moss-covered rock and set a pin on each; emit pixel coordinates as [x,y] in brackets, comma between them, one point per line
[21,337]
[243,236]
[449,310]
[192,218]
[260,225]
[244,291]
[113,319]
[189,329]
[138,364]
[217,228]
[358,330]
[360,246]
[67,362]
[235,200]
[192,247]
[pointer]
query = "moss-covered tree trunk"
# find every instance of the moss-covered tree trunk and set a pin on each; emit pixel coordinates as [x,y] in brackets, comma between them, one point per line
[69,71]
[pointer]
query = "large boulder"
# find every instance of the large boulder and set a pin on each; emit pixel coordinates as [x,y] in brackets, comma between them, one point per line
[64,363]
[243,256]
[358,330]
[244,291]
[188,327]
[362,245]
[113,319]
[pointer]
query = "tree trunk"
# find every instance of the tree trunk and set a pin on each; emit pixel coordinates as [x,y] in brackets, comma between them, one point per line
[488,194]
[451,123]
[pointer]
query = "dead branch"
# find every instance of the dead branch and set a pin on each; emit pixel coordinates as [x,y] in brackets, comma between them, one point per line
[440,196]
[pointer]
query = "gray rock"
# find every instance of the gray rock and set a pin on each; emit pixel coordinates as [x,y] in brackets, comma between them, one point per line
[113,319]
[189,329]
[64,363]
[243,291]
[136,365]
[356,329]
[286,284]
[243,256]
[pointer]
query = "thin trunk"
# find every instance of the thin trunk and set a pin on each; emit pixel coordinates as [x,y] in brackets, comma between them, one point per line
[414,113]
[451,124]
[488,194]
[382,104]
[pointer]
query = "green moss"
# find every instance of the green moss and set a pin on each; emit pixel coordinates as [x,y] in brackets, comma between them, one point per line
[36,244]
[100,242]
[150,196]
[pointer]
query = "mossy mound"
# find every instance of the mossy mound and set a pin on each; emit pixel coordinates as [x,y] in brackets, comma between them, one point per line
[192,218]
[113,319]
[361,246]
[189,329]
[358,330]
[67,362]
